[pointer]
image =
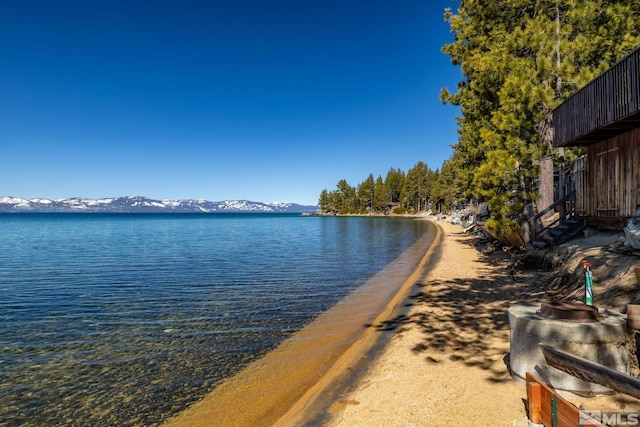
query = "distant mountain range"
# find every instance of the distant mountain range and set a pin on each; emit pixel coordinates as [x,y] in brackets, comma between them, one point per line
[139,204]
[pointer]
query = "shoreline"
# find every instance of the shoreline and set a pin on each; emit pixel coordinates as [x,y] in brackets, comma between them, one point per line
[280,388]
[447,361]
[437,354]
[315,408]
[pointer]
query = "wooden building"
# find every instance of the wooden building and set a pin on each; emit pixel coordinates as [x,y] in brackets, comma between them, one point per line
[604,116]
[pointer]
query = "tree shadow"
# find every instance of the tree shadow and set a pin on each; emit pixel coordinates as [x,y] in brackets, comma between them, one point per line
[465,320]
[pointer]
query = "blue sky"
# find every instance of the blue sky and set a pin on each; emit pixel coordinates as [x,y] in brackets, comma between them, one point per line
[217,100]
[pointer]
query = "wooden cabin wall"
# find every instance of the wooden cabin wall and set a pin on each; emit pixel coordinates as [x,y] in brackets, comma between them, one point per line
[581,184]
[613,185]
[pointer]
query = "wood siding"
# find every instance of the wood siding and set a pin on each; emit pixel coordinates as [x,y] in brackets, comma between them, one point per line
[608,105]
[608,195]
[581,183]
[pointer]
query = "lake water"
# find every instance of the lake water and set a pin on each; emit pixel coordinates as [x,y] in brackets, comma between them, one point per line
[115,319]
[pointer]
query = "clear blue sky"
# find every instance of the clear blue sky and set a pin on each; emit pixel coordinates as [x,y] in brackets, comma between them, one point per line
[260,100]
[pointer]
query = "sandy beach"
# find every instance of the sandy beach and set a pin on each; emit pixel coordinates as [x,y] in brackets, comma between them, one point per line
[436,355]
[295,383]
[445,365]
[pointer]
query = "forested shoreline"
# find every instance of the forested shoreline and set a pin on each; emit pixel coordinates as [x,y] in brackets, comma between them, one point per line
[418,190]
[519,60]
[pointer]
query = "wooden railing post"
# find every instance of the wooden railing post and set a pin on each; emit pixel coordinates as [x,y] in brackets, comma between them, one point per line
[534,402]
[561,189]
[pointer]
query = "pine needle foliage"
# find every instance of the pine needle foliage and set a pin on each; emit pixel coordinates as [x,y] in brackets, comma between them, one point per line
[520,59]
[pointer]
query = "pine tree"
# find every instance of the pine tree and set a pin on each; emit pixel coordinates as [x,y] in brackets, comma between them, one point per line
[416,186]
[380,197]
[324,201]
[520,59]
[365,194]
[394,183]
[346,197]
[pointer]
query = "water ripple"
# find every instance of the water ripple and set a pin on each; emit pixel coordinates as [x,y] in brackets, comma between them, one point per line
[127,319]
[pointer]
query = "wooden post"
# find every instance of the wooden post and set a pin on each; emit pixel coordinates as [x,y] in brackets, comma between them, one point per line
[633,317]
[534,402]
[561,184]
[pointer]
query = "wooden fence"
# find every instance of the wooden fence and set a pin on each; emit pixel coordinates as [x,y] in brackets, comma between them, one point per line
[604,105]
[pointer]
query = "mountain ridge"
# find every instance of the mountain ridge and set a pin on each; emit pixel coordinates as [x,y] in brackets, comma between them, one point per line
[141,204]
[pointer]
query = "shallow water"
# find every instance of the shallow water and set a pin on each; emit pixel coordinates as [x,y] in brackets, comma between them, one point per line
[126,319]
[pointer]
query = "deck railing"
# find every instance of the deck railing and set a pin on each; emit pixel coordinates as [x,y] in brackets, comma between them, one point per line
[611,97]
[567,212]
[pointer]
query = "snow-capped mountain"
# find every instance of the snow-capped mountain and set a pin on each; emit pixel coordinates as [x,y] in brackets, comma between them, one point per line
[132,204]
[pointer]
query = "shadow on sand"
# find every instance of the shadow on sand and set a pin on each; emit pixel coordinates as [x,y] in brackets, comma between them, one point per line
[465,319]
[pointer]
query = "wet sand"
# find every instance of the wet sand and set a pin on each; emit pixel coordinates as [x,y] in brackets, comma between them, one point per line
[445,366]
[295,383]
[435,354]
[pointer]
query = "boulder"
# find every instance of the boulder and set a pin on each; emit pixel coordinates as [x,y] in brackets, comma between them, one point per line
[632,233]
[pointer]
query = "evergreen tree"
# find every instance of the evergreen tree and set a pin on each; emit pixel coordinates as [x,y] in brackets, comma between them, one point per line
[323,201]
[520,59]
[416,186]
[445,196]
[365,194]
[394,182]
[380,197]
[346,198]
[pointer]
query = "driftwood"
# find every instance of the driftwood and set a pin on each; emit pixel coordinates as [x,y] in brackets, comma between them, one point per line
[590,371]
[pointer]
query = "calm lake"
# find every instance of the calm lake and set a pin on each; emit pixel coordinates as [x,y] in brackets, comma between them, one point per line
[117,319]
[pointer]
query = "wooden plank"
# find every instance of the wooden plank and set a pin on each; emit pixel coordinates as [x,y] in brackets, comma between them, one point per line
[546,407]
[534,401]
[541,400]
[607,99]
[590,371]
[567,414]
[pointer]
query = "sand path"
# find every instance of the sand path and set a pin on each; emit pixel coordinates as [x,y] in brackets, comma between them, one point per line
[445,366]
